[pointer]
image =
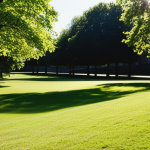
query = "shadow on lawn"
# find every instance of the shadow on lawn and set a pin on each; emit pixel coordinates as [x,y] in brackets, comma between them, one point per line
[54,77]
[42,102]
[3,86]
[51,78]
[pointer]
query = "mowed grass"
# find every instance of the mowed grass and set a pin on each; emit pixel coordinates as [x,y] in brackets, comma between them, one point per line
[56,113]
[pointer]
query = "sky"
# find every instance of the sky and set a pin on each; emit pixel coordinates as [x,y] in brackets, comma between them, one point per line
[67,9]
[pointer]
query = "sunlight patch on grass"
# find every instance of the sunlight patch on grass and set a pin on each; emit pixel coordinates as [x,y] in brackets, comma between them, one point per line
[20,83]
[75,115]
[96,94]
[121,88]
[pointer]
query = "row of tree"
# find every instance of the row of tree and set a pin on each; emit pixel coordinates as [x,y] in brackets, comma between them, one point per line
[94,39]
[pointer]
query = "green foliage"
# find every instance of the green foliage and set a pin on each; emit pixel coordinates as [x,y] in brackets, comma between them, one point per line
[26,28]
[95,38]
[59,56]
[72,22]
[7,64]
[136,13]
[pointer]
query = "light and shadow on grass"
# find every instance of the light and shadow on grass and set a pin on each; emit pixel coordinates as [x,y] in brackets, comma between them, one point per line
[54,77]
[43,102]
[3,86]
[43,77]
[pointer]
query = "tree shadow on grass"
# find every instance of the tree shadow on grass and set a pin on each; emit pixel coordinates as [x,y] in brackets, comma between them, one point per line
[43,102]
[43,77]
[145,86]
[4,86]
[54,77]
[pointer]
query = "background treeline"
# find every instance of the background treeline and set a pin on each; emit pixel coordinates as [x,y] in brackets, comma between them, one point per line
[92,39]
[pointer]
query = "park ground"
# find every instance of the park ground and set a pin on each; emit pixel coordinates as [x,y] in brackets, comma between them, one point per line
[57,112]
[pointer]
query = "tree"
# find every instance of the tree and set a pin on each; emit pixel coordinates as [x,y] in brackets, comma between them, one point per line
[96,38]
[6,65]
[72,22]
[26,28]
[32,62]
[136,13]
[60,51]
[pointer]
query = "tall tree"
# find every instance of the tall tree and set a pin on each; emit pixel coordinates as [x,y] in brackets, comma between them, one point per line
[98,38]
[26,28]
[95,39]
[59,56]
[136,13]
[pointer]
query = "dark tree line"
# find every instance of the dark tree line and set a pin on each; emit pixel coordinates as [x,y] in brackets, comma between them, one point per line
[94,39]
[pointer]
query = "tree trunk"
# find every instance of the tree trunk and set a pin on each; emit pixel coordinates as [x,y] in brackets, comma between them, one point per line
[95,70]
[56,69]
[1,75]
[45,69]
[117,70]
[73,70]
[37,69]
[88,70]
[129,70]
[107,70]
[70,70]
[33,69]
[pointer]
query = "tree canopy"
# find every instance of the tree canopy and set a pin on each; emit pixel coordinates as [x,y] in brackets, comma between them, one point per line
[26,28]
[136,13]
[95,38]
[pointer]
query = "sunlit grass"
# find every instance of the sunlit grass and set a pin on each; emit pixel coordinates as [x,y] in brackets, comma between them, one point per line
[66,113]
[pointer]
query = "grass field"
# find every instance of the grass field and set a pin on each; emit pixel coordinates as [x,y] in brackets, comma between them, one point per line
[57,113]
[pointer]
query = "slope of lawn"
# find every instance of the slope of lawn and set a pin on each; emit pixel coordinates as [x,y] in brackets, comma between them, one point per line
[52,112]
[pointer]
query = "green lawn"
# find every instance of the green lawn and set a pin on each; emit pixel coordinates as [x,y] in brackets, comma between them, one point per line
[51,112]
